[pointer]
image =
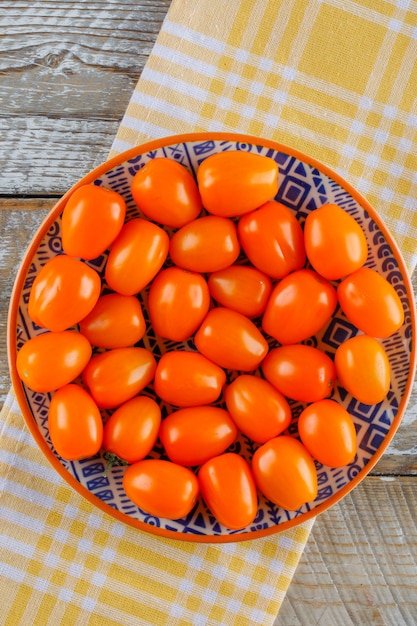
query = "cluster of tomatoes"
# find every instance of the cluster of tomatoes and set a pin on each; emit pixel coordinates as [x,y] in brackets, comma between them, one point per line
[249,318]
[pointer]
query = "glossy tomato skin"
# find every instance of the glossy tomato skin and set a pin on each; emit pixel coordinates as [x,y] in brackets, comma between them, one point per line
[136,256]
[166,192]
[91,221]
[115,322]
[161,488]
[207,244]
[300,372]
[116,375]
[228,488]
[272,239]
[234,182]
[186,378]
[193,435]
[132,430]
[285,472]
[243,288]
[231,340]
[51,360]
[258,409]
[371,303]
[63,293]
[363,368]
[335,243]
[328,432]
[178,301]
[75,423]
[299,306]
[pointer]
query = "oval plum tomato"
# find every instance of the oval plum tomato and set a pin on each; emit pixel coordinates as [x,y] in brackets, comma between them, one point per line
[363,369]
[242,288]
[231,340]
[300,372]
[115,322]
[91,220]
[272,239]
[206,244]
[115,376]
[161,488]
[131,431]
[75,423]
[258,409]
[228,488]
[193,435]
[335,243]
[234,182]
[299,306]
[371,303]
[51,360]
[63,293]
[328,432]
[136,256]
[187,378]
[178,301]
[166,192]
[285,472]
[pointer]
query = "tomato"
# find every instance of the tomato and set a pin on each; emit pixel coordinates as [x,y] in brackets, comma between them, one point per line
[166,192]
[75,424]
[63,293]
[272,239]
[299,306]
[242,288]
[161,488]
[115,322]
[363,369]
[328,432]
[115,376]
[232,183]
[206,244]
[91,220]
[335,243]
[50,360]
[371,303]
[187,378]
[285,472]
[132,430]
[136,256]
[193,435]
[300,372]
[231,340]
[228,488]
[258,409]
[178,302]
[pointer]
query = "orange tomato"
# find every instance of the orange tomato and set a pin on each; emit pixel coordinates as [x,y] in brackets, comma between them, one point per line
[136,256]
[231,340]
[285,472]
[363,369]
[272,239]
[178,302]
[335,242]
[242,288]
[161,488]
[166,192]
[232,183]
[371,303]
[299,306]
[328,432]
[300,372]
[228,488]
[63,293]
[91,220]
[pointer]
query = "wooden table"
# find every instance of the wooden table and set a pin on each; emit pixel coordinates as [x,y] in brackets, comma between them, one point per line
[67,71]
